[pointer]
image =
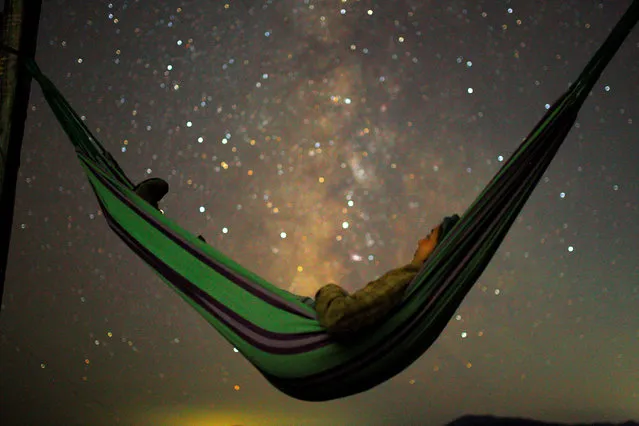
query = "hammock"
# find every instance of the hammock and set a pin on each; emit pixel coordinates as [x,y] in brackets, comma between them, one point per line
[273,328]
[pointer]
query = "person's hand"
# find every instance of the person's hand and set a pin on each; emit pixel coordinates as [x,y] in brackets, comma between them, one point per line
[425,246]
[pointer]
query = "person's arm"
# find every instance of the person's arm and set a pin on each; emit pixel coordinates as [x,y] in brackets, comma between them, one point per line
[340,312]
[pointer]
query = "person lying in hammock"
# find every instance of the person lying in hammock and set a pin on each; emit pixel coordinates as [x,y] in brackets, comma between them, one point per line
[343,314]
[340,313]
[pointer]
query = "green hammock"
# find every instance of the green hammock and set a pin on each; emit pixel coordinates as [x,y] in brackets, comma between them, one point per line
[271,327]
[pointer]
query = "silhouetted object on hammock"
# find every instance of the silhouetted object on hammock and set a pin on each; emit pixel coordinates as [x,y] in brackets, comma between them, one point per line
[152,191]
[271,327]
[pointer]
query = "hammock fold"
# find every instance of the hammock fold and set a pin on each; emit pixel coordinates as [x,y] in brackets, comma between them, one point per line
[271,327]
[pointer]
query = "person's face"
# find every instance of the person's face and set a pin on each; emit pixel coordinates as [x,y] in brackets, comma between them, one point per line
[429,241]
[430,238]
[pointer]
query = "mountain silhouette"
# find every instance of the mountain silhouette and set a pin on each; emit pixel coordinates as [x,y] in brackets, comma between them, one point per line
[471,420]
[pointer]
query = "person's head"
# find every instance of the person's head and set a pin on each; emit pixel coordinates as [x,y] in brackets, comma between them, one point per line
[447,225]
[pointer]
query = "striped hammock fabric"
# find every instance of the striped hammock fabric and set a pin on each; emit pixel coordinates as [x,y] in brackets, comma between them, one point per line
[271,327]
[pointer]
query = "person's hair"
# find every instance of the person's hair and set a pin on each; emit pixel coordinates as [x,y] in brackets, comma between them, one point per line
[448,224]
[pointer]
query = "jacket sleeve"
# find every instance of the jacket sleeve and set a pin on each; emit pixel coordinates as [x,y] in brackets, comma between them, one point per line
[339,312]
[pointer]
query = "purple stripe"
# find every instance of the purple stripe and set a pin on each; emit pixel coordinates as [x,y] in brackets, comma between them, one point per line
[265,295]
[267,341]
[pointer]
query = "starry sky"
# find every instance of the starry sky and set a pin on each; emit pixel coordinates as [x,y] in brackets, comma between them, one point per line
[316,141]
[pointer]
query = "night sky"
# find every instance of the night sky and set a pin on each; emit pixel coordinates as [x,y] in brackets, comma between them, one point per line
[314,142]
